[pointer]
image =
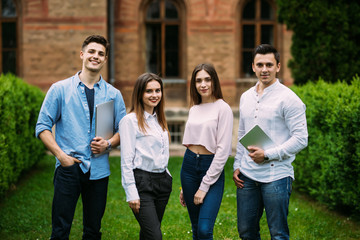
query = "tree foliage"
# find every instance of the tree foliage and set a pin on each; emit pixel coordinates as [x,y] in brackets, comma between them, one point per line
[326,37]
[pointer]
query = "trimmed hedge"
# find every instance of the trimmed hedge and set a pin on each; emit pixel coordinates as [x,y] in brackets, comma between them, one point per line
[329,168]
[19,149]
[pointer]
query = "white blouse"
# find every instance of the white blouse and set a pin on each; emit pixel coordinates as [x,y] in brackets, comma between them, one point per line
[148,152]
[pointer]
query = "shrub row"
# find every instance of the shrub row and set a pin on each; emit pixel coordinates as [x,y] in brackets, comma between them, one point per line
[329,168]
[19,149]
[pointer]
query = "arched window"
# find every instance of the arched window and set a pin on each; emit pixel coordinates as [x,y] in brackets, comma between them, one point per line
[8,41]
[162,23]
[258,26]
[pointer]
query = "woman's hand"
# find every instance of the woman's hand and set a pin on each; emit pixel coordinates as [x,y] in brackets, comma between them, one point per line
[182,200]
[199,197]
[135,205]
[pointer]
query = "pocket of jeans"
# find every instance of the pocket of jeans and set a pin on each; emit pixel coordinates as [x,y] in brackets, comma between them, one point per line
[68,173]
[68,169]
[290,180]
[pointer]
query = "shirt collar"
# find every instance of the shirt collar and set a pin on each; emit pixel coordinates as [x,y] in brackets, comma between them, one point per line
[271,87]
[148,115]
[99,84]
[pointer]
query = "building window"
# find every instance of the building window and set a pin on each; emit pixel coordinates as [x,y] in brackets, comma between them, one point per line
[176,132]
[258,26]
[8,40]
[162,23]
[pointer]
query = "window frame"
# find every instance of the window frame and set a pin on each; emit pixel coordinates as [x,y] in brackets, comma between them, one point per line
[15,20]
[178,134]
[163,22]
[257,22]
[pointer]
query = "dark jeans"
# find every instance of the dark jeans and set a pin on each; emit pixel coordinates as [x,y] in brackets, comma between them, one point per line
[251,201]
[69,183]
[202,216]
[154,190]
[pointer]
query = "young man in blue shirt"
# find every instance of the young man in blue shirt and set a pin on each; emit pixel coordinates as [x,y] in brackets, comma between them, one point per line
[80,168]
[264,176]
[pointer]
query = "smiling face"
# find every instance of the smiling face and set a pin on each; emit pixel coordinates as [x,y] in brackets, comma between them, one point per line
[265,68]
[152,96]
[203,85]
[93,57]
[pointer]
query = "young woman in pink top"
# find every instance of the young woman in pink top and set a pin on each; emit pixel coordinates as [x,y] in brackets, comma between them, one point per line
[207,136]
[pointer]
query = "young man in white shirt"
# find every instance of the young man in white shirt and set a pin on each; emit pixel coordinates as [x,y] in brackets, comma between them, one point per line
[263,177]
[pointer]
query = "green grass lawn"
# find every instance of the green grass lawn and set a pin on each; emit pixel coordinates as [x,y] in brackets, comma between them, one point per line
[26,212]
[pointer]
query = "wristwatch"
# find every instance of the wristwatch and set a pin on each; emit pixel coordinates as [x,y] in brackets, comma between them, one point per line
[266,159]
[109,145]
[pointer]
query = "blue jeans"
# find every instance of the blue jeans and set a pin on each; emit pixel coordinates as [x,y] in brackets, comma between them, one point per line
[202,216]
[69,183]
[251,201]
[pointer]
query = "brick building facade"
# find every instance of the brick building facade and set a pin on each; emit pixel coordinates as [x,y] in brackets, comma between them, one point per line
[169,37]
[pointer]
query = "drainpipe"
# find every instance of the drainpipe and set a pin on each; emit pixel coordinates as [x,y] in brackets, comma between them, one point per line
[111,38]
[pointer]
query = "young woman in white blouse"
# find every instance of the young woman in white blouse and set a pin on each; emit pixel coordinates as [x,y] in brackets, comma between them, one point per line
[145,155]
[207,136]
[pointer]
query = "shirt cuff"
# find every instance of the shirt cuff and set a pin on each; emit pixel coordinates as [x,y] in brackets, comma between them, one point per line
[131,193]
[272,154]
[40,129]
[204,187]
[236,165]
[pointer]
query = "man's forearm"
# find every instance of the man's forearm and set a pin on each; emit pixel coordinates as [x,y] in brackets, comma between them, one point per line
[49,141]
[115,140]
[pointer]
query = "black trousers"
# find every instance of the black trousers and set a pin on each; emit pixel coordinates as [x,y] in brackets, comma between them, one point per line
[69,183]
[154,190]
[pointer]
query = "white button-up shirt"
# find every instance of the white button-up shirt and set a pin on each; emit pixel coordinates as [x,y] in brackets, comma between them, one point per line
[148,152]
[281,114]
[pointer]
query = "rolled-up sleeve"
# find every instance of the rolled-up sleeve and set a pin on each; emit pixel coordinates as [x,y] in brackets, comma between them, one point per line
[49,112]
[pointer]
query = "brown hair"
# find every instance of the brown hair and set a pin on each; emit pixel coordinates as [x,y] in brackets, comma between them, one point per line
[265,49]
[97,39]
[215,83]
[137,105]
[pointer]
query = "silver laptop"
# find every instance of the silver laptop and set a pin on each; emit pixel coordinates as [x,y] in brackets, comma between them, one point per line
[256,137]
[104,119]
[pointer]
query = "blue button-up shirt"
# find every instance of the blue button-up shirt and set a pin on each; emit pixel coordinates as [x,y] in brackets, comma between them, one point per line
[66,107]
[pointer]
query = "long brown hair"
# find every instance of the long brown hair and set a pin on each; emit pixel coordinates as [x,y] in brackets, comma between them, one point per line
[137,105]
[215,83]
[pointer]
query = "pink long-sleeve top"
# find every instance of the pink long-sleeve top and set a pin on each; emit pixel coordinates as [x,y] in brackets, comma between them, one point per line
[210,125]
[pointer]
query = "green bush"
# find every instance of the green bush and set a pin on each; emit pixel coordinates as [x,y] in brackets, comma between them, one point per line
[19,149]
[329,168]
[326,37]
